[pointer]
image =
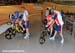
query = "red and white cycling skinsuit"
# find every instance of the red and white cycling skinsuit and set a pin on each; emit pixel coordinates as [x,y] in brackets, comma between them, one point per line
[50,21]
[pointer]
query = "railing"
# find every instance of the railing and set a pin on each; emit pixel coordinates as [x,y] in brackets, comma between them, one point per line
[65,8]
[65,2]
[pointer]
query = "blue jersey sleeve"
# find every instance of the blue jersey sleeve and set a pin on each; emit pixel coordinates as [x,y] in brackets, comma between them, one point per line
[17,14]
[54,16]
[21,16]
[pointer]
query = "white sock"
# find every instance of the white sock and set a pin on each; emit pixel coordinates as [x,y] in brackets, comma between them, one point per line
[62,41]
[27,35]
[23,28]
[52,38]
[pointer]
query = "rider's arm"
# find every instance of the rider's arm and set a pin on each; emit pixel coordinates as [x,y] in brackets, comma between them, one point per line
[52,20]
[10,17]
[54,16]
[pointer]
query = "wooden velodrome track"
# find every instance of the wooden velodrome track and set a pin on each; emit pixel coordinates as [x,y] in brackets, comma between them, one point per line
[6,10]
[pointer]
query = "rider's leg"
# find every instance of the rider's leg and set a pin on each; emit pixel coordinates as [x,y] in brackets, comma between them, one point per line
[27,29]
[51,31]
[62,40]
[53,38]
[21,25]
[56,30]
[16,25]
[13,23]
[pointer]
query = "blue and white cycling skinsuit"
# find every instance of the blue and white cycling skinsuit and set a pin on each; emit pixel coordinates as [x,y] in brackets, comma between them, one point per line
[25,19]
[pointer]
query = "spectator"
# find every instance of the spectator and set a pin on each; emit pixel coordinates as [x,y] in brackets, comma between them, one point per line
[47,12]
